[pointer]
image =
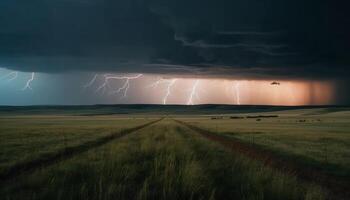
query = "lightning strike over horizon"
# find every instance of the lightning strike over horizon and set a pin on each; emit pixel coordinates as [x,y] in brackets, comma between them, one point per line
[155,84]
[91,82]
[125,87]
[237,93]
[171,83]
[193,93]
[13,74]
[28,86]
[104,86]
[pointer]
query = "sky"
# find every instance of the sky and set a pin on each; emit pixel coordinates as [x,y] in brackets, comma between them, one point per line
[273,52]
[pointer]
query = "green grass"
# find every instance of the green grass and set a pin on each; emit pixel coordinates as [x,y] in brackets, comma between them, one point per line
[323,140]
[24,138]
[168,160]
[164,161]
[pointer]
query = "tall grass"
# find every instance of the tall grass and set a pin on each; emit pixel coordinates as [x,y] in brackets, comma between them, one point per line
[323,141]
[164,161]
[23,139]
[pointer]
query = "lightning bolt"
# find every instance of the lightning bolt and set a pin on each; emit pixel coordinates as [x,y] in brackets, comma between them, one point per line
[237,91]
[91,82]
[104,85]
[28,86]
[155,84]
[13,74]
[193,93]
[125,87]
[170,85]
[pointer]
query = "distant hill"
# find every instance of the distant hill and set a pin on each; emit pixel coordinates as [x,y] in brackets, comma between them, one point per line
[86,110]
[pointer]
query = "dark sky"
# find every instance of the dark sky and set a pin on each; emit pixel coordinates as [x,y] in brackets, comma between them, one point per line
[293,38]
[245,39]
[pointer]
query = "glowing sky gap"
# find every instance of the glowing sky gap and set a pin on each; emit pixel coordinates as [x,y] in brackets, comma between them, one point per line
[28,86]
[170,89]
[193,93]
[91,82]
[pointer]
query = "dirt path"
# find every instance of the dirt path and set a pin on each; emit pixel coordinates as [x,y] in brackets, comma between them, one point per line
[64,154]
[338,189]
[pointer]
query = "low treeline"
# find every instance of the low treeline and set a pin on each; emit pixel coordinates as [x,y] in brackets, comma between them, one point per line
[262,116]
[246,117]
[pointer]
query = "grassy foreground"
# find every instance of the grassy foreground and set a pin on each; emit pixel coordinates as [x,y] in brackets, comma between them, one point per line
[26,138]
[313,137]
[163,161]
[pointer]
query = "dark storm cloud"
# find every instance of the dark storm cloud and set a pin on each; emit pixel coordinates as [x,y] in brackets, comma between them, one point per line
[249,38]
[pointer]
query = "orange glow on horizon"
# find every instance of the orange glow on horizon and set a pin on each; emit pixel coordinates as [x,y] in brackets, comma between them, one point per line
[241,92]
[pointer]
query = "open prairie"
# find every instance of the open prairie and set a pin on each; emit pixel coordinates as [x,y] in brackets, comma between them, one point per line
[157,152]
[174,100]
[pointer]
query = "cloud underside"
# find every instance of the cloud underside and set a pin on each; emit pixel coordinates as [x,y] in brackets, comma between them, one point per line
[243,39]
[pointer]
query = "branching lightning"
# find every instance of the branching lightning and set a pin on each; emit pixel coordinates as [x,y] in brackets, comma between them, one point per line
[193,93]
[170,83]
[104,86]
[157,83]
[91,82]
[12,75]
[28,86]
[125,87]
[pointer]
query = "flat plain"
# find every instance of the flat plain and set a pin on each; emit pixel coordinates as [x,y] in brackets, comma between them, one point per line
[251,153]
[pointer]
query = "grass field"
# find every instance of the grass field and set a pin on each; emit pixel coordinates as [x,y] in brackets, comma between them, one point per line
[315,137]
[25,138]
[168,159]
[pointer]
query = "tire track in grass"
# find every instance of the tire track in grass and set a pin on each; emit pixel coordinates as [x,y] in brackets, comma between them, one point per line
[220,188]
[239,177]
[44,161]
[338,189]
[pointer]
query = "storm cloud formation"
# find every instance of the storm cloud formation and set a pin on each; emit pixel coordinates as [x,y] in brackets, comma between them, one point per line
[241,38]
